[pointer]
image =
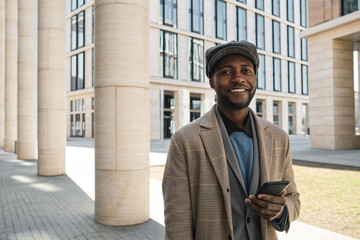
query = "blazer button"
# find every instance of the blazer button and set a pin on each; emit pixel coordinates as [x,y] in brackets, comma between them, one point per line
[248,220]
[229,238]
[227,190]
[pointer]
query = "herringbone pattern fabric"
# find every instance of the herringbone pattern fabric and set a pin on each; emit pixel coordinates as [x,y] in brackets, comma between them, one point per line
[196,180]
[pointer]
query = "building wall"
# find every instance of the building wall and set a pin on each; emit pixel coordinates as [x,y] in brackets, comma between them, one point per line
[182,88]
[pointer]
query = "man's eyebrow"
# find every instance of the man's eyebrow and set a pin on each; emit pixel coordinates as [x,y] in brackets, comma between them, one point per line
[230,66]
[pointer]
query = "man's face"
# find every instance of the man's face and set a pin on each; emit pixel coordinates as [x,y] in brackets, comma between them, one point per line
[234,82]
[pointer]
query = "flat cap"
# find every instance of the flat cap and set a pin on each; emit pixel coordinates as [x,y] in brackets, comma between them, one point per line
[243,48]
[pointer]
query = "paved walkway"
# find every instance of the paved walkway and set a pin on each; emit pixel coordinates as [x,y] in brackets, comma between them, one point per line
[62,207]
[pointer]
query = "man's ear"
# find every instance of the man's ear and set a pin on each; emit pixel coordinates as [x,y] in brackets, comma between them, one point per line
[211,81]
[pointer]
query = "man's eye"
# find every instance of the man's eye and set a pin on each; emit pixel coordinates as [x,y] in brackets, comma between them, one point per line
[225,72]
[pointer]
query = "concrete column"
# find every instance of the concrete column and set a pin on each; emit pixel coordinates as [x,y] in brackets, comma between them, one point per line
[2,72]
[298,118]
[11,76]
[51,88]
[27,83]
[121,112]
[207,101]
[183,107]
[284,115]
[331,93]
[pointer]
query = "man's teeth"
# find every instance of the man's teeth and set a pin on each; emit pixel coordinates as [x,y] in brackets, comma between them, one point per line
[238,90]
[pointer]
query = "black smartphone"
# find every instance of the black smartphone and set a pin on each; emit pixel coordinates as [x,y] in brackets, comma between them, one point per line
[273,187]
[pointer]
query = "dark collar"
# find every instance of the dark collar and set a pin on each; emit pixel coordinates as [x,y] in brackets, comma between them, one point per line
[231,127]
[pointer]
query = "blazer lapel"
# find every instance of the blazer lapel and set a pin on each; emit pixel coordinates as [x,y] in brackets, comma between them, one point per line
[211,137]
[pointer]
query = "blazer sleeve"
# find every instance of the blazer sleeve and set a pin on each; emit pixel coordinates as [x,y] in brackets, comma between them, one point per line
[176,193]
[292,197]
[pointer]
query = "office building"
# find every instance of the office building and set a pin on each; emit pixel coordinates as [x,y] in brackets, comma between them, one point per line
[179,34]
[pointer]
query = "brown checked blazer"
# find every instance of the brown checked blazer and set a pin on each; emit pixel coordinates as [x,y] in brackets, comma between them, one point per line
[196,179]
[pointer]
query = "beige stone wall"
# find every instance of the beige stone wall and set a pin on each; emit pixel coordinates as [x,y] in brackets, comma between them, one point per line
[11,76]
[2,72]
[331,88]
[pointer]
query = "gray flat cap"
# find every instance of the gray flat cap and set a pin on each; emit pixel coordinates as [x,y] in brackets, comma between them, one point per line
[244,48]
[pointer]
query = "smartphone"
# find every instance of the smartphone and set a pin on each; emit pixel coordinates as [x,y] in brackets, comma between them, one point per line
[273,187]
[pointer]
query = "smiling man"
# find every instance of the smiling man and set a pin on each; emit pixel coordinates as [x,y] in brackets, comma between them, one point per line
[217,163]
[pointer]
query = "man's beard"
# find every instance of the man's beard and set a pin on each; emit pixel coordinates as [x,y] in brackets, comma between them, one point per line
[225,100]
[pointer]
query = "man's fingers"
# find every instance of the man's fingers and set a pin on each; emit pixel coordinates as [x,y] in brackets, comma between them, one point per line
[273,199]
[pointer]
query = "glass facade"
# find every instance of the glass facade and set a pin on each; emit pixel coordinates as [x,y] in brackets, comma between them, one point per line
[291,42]
[304,53]
[259,32]
[277,74]
[168,12]
[304,80]
[259,108]
[78,31]
[261,73]
[75,4]
[291,77]
[168,54]
[291,117]
[169,107]
[77,71]
[290,10]
[259,4]
[195,107]
[220,19]
[303,13]
[276,8]
[350,6]
[241,24]
[276,113]
[276,36]
[196,16]
[196,59]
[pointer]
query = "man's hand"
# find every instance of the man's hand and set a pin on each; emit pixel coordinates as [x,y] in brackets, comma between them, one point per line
[267,206]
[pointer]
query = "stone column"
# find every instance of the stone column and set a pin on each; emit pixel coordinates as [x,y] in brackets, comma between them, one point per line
[2,72]
[11,76]
[51,88]
[331,89]
[121,112]
[27,83]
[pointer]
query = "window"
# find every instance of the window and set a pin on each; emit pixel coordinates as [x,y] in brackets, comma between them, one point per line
[195,106]
[291,42]
[349,6]
[291,117]
[75,4]
[276,36]
[93,24]
[77,71]
[291,77]
[169,108]
[196,15]
[259,4]
[241,24]
[93,68]
[261,73]
[259,32]
[303,13]
[276,113]
[259,108]
[168,8]
[220,19]
[290,10]
[276,8]
[196,59]
[277,74]
[78,31]
[77,118]
[168,54]
[304,53]
[304,80]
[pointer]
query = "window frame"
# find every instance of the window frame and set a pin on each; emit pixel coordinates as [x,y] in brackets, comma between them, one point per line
[191,16]
[163,53]
[291,77]
[77,33]
[262,67]
[275,73]
[278,37]
[304,90]
[257,31]
[277,14]
[216,18]
[290,10]
[240,10]
[191,60]
[291,45]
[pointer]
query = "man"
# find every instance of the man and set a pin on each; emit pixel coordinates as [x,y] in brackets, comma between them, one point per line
[217,163]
